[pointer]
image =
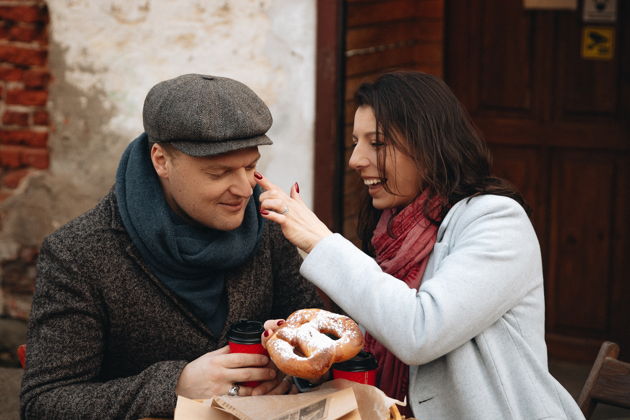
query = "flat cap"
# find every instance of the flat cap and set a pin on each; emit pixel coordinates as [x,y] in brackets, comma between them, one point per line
[204,115]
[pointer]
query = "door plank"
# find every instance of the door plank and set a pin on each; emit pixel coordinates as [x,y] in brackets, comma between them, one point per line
[361,14]
[395,57]
[582,205]
[394,32]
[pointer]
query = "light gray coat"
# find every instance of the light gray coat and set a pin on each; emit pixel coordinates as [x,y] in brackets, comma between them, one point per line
[473,334]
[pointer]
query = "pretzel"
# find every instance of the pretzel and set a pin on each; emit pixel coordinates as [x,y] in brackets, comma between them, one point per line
[303,346]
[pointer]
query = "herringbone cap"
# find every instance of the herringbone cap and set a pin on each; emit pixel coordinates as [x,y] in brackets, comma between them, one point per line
[204,115]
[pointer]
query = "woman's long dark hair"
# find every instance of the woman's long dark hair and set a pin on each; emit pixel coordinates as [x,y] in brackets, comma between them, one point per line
[421,117]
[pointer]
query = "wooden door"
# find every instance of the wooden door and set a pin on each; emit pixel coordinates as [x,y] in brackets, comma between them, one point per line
[558,125]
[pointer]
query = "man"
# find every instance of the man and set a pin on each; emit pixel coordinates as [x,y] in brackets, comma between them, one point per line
[133,299]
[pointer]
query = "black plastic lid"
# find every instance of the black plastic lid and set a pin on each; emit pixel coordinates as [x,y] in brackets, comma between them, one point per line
[245,332]
[359,363]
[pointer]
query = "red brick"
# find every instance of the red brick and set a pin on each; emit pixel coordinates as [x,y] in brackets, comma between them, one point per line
[24,13]
[11,74]
[25,137]
[40,118]
[27,97]
[11,156]
[15,118]
[36,78]
[28,33]
[12,178]
[22,56]
[37,158]
[29,253]
[4,195]
[5,27]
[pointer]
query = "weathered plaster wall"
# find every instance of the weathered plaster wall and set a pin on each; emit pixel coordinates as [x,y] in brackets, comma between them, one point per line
[105,55]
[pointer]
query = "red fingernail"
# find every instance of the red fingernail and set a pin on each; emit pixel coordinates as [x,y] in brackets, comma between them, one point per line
[264,212]
[258,175]
[297,188]
[280,322]
[266,334]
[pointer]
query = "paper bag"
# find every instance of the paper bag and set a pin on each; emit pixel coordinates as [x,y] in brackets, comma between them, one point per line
[337,399]
[372,402]
[329,404]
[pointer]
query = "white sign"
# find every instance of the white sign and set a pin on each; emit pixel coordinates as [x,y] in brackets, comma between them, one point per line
[600,11]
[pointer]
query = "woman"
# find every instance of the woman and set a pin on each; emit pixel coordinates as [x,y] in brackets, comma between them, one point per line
[449,284]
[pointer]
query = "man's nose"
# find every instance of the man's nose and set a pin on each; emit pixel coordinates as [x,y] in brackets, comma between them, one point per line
[243,184]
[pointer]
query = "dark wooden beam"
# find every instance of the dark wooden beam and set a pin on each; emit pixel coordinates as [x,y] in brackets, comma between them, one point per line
[327,200]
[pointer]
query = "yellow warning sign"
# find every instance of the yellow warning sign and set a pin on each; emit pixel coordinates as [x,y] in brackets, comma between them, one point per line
[598,43]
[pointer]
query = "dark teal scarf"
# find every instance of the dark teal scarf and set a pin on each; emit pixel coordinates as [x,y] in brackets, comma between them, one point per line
[189,260]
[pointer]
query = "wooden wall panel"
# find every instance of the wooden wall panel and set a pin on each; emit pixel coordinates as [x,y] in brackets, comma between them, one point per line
[366,13]
[383,36]
[328,110]
[393,32]
[620,271]
[558,125]
[506,60]
[403,56]
[586,89]
[581,226]
[524,167]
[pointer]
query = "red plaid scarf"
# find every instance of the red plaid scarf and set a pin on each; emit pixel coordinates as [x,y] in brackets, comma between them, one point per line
[402,245]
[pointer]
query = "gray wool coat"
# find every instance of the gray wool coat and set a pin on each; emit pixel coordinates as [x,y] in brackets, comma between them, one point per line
[473,335]
[107,339]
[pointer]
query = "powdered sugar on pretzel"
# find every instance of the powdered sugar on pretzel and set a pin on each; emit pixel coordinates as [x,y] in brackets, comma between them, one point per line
[302,347]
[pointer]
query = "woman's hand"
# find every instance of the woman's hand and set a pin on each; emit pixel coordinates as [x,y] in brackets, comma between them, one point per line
[283,384]
[299,224]
[270,326]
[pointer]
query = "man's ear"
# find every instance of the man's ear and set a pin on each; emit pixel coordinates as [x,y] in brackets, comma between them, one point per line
[161,161]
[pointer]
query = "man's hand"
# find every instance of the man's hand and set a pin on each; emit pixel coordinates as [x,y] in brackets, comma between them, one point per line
[214,373]
[280,385]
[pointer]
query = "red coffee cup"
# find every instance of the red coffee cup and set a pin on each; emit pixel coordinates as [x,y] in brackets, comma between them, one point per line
[361,368]
[244,337]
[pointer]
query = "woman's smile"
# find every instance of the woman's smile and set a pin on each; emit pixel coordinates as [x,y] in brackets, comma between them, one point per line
[374,185]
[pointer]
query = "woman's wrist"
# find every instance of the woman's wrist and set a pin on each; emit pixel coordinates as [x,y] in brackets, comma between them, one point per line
[318,238]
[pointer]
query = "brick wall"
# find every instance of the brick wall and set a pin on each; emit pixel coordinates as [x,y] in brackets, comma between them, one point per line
[24,78]
[24,128]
